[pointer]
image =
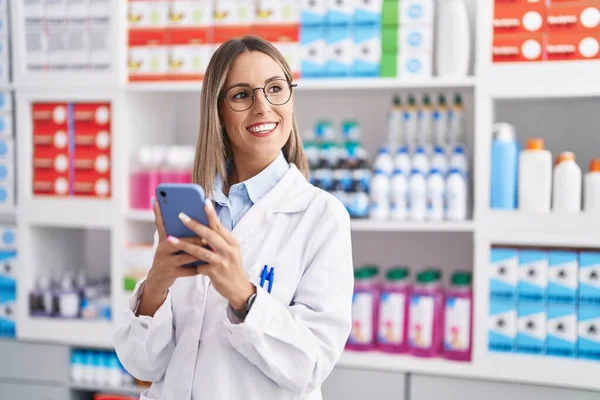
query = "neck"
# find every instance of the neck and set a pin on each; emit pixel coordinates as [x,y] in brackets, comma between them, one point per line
[246,167]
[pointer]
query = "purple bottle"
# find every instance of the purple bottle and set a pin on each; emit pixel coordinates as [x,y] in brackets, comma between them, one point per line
[426,315]
[458,318]
[393,312]
[365,306]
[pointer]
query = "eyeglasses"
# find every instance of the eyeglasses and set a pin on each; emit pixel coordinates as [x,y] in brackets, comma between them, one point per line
[241,98]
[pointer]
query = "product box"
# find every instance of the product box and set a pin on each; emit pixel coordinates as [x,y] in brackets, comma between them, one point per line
[313,51]
[55,54]
[148,13]
[533,275]
[100,9]
[223,33]
[589,278]
[415,39]
[148,56]
[8,312]
[575,45]
[234,12]
[98,51]
[278,12]
[408,12]
[340,51]
[340,12]
[519,47]
[8,265]
[76,52]
[575,15]
[76,10]
[8,237]
[368,12]
[191,13]
[6,124]
[51,172]
[49,117]
[529,18]
[415,66]
[313,12]
[6,101]
[54,9]
[588,346]
[34,11]
[286,38]
[7,150]
[4,27]
[561,330]
[531,336]
[190,52]
[504,273]
[7,195]
[502,326]
[36,41]
[563,276]
[4,72]
[367,50]
[7,173]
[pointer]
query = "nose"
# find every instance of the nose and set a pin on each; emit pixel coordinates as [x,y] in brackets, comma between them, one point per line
[261,104]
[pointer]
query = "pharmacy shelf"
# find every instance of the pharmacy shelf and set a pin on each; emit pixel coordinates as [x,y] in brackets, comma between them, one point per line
[140,215]
[542,80]
[82,333]
[63,212]
[366,225]
[119,390]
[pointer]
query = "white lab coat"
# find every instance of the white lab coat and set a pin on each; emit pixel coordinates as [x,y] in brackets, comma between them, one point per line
[292,337]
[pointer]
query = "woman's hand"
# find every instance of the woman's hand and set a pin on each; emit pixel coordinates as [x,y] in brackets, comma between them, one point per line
[224,263]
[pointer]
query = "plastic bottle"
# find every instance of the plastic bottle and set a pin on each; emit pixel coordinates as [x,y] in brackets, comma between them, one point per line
[566,184]
[439,160]
[420,160]
[77,366]
[440,121]
[394,133]
[402,160]
[456,196]
[380,196]
[417,196]
[456,122]
[504,168]
[399,195]
[142,180]
[410,122]
[458,160]
[115,376]
[435,196]
[458,319]
[351,138]
[365,306]
[453,39]
[425,129]
[358,197]
[68,298]
[535,177]
[591,190]
[311,149]
[384,161]
[426,315]
[339,190]
[393,311]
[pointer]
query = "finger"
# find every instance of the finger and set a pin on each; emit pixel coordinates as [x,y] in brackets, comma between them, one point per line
[215,223]
[182,272]
[198,252]
[183,259]
[160,227]
[214,240]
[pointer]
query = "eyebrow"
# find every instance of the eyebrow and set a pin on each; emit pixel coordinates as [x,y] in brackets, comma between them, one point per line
[248,85]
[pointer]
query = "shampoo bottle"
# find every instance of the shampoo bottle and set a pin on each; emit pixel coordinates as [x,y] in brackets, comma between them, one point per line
[453,39]
[535,177]
[566,184]
[505,167]
[591,190]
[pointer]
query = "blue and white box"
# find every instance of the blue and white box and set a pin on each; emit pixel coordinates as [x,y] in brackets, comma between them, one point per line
[589,277]
[502,326]
[340,51]
[589,332]
[561,330]
[6,124]
[563,276]
[313,12]
[533,275]
[368,12]
[6,101]
[313,51]
[532,331]
[504,273]
[367,50]
[415,66]
[7,313]
[340,12]
[417,12]
[415,39]
[8,258]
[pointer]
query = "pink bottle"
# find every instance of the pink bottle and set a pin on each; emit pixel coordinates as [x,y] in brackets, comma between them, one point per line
[365,305]
[426,315]
[142,179]
[393,312]
[458,326]
[178,165]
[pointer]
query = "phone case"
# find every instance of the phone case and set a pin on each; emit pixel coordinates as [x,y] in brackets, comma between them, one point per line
[174,198]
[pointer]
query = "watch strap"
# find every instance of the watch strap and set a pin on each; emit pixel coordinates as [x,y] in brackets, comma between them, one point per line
[241,314]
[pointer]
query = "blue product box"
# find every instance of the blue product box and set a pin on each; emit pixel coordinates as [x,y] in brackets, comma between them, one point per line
[368,12]
[7,313]
[533,275]
[563,276]
[502,333]
[340,51]
[531,335]
[561,330]
[340,12]
[589,332]
[589,277]
[417,12]
[313,47]
[8,277]
[367,50]
[504,273]
[313,12]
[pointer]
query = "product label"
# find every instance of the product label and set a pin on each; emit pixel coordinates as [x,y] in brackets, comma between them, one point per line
[362,319]
[391,318]
[420,333]
[457,325]
[519,47]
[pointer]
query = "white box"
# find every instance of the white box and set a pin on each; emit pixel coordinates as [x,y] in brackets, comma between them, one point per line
[291,52]
[415,66]
[4,31]
[278,12]
[7,173]
[188,13]
[6,101]
[502,326]
[313,12]
[234,12]
[189,59]
[76,9]
[55,9]
[7,149]
[75,52]
[416,12]
[98,51]
[340,51]
[3,5]
[367,50]
[148,14]
[7,195]
[340,12]
[98,9]
[56,50]
[148,60]
[368,12]
[418,39]
[35,47]
[8,237]
[313,51]
[533,275]
[33,9]
[6,124]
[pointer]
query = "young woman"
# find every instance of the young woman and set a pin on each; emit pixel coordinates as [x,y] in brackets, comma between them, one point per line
[268,316]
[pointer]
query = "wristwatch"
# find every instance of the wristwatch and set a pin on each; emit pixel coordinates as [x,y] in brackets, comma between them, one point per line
[241,314]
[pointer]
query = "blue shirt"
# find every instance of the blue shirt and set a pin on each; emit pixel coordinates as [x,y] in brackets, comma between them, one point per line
[245,194]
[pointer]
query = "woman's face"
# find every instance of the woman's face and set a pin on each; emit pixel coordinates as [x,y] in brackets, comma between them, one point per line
[260,132]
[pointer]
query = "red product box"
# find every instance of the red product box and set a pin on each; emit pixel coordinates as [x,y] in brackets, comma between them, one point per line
[224,33]
[576,15]
[519,47]
[92,173]
[91,116]
[522,2]
[190,52]
[50,171]
[148,55]
[574,45]
[49,117]
[511,18]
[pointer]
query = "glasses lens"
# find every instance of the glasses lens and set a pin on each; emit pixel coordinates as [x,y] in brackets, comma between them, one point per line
[278,92]
[239,98]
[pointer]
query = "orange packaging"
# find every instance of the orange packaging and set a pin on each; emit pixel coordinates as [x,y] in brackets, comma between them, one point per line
[573,45]
[224,33]
[575,15]
[189,53]
[521,2]
[148,55]
[519,47]
[519,18]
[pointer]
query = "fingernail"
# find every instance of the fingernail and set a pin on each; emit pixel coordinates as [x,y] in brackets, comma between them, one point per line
[173,240]
[204,241]
[152,200]
[184,217]
[209,203]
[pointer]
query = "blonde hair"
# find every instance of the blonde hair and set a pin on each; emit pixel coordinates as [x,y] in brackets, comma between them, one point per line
[213,148]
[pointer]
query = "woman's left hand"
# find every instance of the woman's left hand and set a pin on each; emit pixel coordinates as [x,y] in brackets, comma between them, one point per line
[224,263]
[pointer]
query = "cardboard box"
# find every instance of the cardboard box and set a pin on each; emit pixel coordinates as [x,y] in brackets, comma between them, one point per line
[55,50]
[148,58]
[504,273]
[34,11]
[8,269]
[408,13]
[340,12]
[223,33]
[76,10]
[530,18]
[533,275]
[148,13]
[575,45]
[49,117]
[313,12]
[532,331]
[99,51]
[340,51]
[234,12]
[409,39]
[562,330]
[563,276]
[189,53]
[589,278]
[519,47]
[368,12]
[416,65]
[286,38]
[191,13]
[8,237]
[8,313]
[588,346]
[502,326]
[367,50]
[278,12]
[76,57]
[313,51]
[55,9]
[6,124]
[574,16]
[100,9]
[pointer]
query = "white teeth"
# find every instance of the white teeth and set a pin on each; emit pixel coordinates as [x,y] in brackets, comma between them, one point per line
[262,128]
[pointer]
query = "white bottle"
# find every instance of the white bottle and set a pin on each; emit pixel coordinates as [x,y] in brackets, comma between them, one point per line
[458,160]
[68,298]
[439,160]
[384,161]
[402,160]
[535,177]
[420,160]
[566,184]
[115,376]
[399,195]
[591,189]
[456,196]
[435,195]
[77,366]
[453,44]
[417,195]
[380,196]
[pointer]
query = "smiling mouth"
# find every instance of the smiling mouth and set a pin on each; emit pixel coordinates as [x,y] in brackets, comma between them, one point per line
[262,130]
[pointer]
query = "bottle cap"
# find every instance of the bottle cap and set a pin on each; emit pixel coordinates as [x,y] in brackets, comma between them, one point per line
[384,150]
[397,100]
[565,156]
[535,144]
[595,165]
[504,132]
[402,150]
[398,171]
[397,274]
[434,171]
[366,272]
[461,279]
[429,276]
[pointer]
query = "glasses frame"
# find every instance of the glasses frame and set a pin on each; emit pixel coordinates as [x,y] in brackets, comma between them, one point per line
[291,86]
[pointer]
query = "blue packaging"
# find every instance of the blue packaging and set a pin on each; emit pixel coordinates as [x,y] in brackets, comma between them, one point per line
[7,313]
[313,45]
[368,12]
[533,275]
[8,277]
[589,278]
[340,51]
[367,50]
[531,335]
[313,12]
[561,330]
[340,12]
[563,276]
[502,331]
[504,273]
[504,168]
[589,332]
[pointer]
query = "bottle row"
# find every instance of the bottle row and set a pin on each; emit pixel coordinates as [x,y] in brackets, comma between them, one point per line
[98,368]
[423,319]
[525,179]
